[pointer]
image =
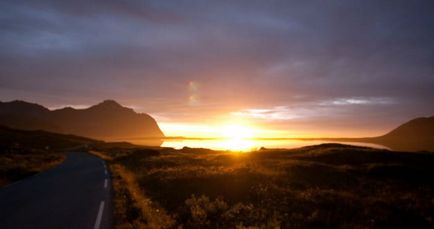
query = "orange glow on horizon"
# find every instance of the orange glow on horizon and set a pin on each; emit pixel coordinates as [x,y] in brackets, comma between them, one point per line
[230,130]
[207,130]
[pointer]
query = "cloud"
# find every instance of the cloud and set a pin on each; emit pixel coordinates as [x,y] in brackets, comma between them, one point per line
[358,101]
[291,60]
[271,114]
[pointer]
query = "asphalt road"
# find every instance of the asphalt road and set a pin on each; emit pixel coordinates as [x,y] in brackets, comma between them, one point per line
[75,194]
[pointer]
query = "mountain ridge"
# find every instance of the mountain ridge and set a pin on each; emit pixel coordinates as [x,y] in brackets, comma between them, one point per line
[414,135]
[107,120]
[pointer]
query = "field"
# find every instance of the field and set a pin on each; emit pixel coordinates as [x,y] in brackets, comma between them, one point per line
[326,186]
[25,153]
[20,163]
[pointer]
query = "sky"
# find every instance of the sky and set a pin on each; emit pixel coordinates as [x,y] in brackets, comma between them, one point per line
[287,68]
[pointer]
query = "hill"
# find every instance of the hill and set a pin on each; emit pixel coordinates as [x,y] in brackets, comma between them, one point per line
[13,140]
[27,152]
[24,153]
[414,135]
[107,120]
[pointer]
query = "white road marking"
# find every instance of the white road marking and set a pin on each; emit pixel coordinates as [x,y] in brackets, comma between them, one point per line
[105,171]
[99,216]
[105,183]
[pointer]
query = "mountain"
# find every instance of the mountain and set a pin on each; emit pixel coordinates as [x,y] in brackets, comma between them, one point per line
[414,135]
[24,115]
[107,120]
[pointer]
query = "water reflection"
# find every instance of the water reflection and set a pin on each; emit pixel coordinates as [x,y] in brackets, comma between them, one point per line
[246,144]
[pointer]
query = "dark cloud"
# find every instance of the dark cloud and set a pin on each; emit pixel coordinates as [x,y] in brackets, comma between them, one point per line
[243,54]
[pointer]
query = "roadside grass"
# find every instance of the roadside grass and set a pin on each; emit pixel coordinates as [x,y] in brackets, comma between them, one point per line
[327,186]
[16,165]
[133,209]
[24,153]
[101,155]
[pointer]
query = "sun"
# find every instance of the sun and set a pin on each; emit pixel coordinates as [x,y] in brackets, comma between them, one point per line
[236,132]
[236,137]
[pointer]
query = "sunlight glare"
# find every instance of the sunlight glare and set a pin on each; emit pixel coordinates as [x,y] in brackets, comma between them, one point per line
[237,137]
[238,145]
[236,132]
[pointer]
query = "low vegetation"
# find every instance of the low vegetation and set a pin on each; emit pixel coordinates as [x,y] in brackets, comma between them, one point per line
[19,163]
[327,186]
[25,153]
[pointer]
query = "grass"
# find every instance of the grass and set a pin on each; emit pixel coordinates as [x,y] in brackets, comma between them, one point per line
[326,186]
[25,153]
[17,164]
[132,207]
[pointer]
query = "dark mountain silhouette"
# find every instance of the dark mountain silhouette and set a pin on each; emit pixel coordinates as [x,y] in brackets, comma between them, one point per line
[107,120]
[415,135]
[25,115]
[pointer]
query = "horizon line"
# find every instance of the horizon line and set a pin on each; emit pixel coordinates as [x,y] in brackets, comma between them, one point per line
[256,138]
